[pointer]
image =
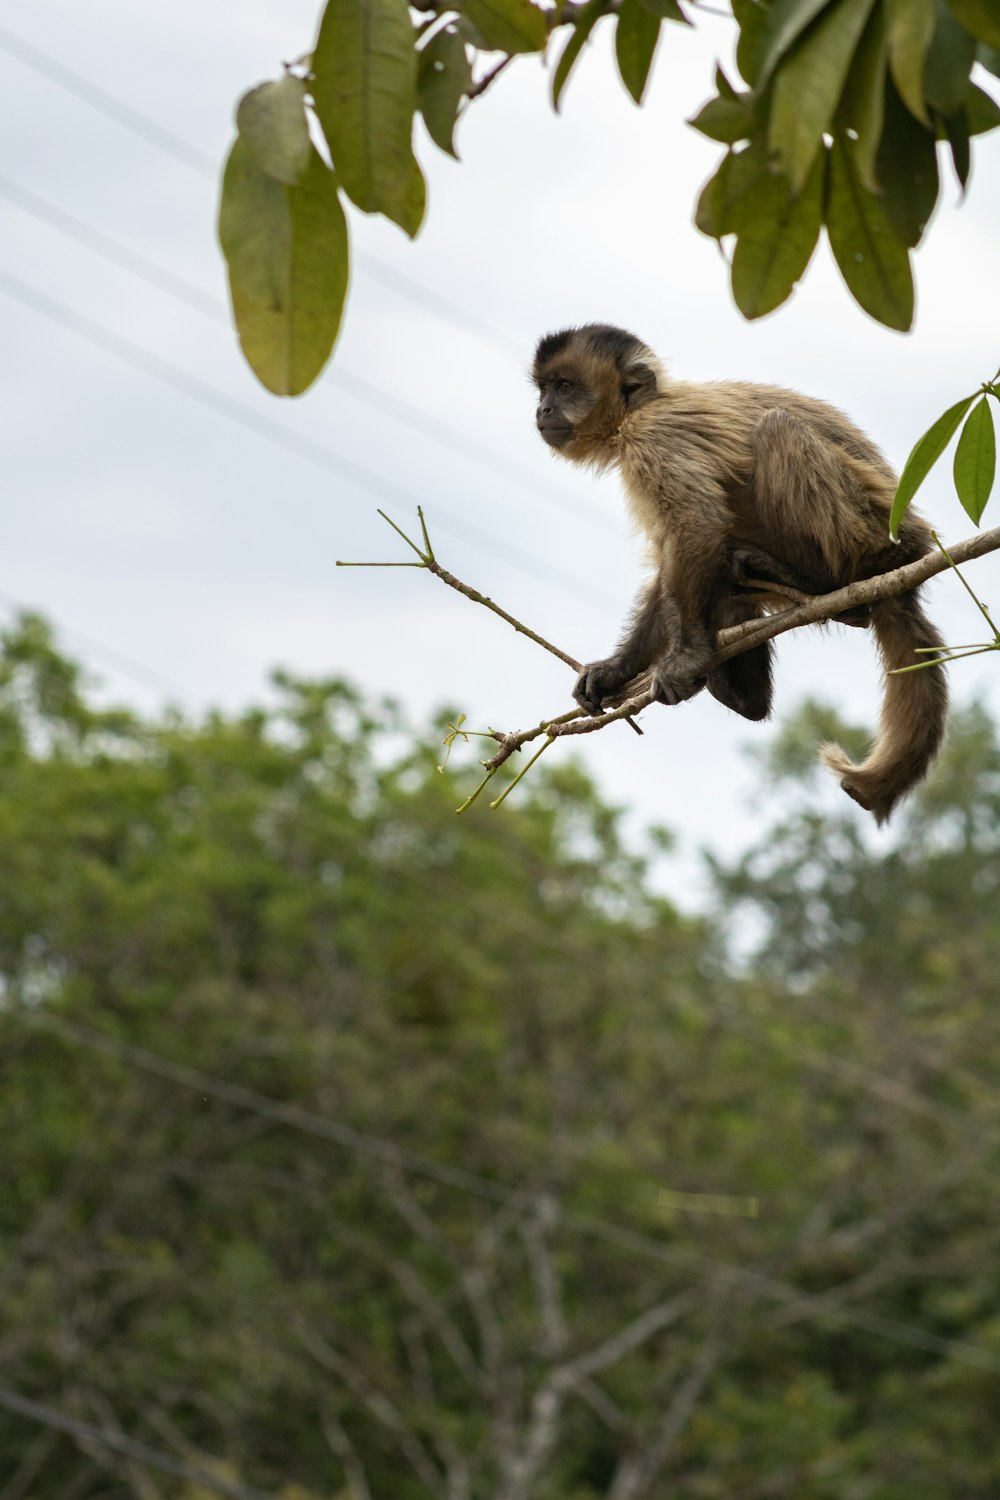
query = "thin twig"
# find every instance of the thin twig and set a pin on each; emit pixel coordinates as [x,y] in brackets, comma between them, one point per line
[428,561]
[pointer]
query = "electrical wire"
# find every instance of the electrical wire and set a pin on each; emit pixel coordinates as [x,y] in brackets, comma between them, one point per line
[155,134]
[117,253]
[276,432]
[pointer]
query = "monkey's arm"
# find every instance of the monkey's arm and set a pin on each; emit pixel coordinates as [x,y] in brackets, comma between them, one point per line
[645,640]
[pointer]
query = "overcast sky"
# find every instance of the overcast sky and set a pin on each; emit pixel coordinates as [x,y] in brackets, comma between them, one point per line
[160,505]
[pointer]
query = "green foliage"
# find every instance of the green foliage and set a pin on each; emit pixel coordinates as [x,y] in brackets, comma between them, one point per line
[468,1055]
[844,104]
[636,36]
[443,79]
[975,459]
[869,84]
[364,88]
[286,250]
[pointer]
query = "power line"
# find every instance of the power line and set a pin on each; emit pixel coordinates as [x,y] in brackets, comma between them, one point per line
[155,134]
[127,664]
[812,1306]
[142,1453]
[276,432]
[118,253]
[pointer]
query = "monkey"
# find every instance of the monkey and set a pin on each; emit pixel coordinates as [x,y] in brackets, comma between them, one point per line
[731,481]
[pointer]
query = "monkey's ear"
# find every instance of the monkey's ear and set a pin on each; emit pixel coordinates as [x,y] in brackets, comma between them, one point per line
[638,384]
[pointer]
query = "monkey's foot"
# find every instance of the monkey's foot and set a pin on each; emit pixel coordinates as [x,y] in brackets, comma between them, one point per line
[671,688]
[599,683]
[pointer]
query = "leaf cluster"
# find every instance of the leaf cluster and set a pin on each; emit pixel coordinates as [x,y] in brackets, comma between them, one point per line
[846,101]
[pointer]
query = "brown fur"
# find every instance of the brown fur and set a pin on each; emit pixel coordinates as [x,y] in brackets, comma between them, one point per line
[715,471]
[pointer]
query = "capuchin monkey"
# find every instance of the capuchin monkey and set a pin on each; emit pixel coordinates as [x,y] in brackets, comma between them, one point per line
[731,482]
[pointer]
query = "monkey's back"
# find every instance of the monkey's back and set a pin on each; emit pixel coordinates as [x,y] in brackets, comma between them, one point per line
[738,452]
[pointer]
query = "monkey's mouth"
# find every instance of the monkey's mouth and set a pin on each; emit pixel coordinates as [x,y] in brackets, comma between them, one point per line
[556,435]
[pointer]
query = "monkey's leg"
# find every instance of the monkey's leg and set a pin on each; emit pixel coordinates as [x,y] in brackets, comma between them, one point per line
[646,637]
[744,683]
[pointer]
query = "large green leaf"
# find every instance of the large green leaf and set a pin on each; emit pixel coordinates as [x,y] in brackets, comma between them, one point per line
[636,36]
[949,62]
[925,455]
[507,25]
[287,256]
[872,260]
[752,20]
[910,29]
[956,129]
[862,107]
[784,22]
[808,85]
[982,111]
[443,79]
[775,246]
[976,460]
[981,18]
[724,119]
[365,92]
[729,200]
[272,121]
[907,169]
[583,26]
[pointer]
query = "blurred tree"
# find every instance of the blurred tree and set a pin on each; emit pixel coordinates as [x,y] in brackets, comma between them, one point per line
[351,1149]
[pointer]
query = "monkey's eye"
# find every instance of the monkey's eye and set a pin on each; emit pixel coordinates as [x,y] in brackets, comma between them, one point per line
[564,387]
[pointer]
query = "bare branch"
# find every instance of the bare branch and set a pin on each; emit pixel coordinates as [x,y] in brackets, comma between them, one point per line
[739,638]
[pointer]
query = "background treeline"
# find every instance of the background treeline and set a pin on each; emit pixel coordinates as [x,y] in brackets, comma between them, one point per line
[344,1143]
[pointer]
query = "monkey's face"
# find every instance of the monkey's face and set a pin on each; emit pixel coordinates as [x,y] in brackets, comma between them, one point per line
[563,405]
[588,380]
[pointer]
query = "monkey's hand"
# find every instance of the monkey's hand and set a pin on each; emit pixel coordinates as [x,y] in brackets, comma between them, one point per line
[679,675]
[601,682]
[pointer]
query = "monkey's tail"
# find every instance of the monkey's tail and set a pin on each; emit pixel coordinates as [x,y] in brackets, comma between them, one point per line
[914,710]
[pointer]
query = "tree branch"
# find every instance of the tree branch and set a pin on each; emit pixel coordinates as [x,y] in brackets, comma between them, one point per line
[739,638]
[805,610]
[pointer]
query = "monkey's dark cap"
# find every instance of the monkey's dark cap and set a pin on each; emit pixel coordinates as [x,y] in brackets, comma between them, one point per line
[613,343]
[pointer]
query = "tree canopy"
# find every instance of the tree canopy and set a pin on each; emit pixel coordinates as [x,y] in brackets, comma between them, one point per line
[835,121]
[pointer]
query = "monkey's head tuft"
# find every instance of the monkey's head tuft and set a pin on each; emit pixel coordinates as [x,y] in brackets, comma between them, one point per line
[589,379]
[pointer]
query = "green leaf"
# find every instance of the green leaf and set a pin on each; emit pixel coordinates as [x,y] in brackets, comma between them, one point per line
[365,92]
[862,107]
[287,257]
[872,260]
[444,77]
[990,58]
[925,455]
[976,460]
[508,25]
[982,111]
[723,87]
[666,10]
[752,20]
[910,29]
[584,25]
[775,246]
[272,121]
[636,36]
[808,85]
[907,168]
[980,17]
[949,62]
[729,199]
[956,129]
[726,120]
[784,23]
